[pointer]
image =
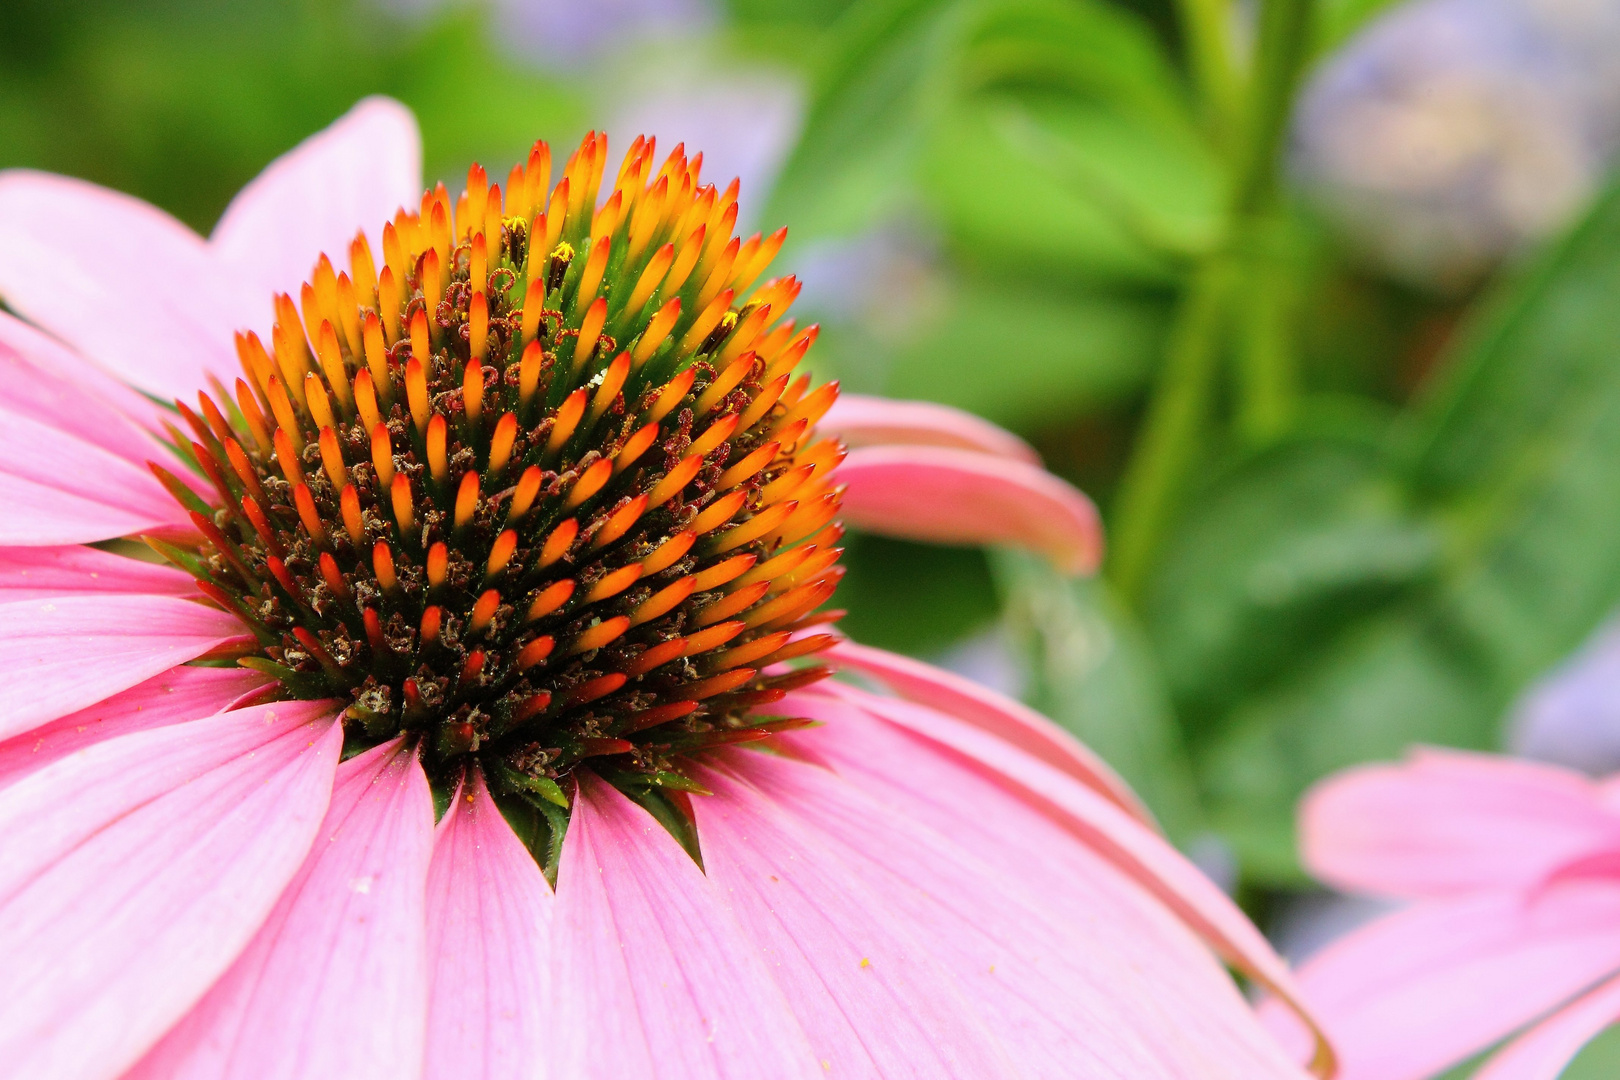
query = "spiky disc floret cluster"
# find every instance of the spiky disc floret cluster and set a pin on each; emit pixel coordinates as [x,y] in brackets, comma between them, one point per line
[539,490]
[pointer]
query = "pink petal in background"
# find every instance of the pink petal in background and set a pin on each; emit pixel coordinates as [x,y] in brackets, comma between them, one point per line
[488,946]
[137,869]
[335,982]
[1542,1052]
[1447,821]
[1414,993]
[861,420]
[950,496]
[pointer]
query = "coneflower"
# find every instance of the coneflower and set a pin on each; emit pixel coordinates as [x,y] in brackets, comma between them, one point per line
[518,517]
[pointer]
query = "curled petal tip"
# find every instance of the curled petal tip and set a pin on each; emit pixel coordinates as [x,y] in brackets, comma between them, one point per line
[955,496]
[861,420]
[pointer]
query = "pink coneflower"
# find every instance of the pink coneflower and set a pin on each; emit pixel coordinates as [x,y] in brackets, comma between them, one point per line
[471,732]
[1512,873]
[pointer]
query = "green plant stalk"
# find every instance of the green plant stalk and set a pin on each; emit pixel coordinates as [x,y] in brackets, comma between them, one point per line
[1207,28]
[1267,369]
[1267,358]
[1230,289]
[1281,50]
[1174,427]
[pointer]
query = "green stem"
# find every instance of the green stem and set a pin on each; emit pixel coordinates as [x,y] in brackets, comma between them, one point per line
[1282,47]
[1267,363]
[1174,427]
[1206,25]
[1172,435]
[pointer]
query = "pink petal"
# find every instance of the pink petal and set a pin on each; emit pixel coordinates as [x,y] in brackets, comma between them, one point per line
[1135,850]
[488,946]
[315,197]
[137,869]
[48,381]
[1542,1052]
[32,573]
[950,496]
[125,284]
[177,695]
[335,982]
[1445,822]
[653,978]
[995,713]
[60,489]
[874,421]
[826,878]
[1416,992]
[63,654]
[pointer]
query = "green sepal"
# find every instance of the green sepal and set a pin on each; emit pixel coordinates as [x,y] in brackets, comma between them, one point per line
[672,818]
[678,782]
[641,789]
[441,800]
[182,494]
[540,826]
[543,786]
[188,561]
[300,684]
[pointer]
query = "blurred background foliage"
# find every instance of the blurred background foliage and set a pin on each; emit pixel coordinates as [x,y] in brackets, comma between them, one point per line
[1318,304]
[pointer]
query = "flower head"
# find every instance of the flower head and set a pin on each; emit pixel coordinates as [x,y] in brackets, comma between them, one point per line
[538,488]
[426,761]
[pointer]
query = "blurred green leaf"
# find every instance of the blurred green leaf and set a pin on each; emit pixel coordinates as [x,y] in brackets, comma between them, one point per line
[1038,184]
[917,599]
[1521,450]
[1600,1060]
[1382,686]
[1026,357]
[871,100]
[1283,552]
[182,102]
[1093,673]
[1513,461]
[1072,110]
[1046,133]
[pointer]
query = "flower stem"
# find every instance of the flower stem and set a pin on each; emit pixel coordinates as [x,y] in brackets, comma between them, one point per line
[1207,28]
[1267,359]
[1280,53]
[1174,427]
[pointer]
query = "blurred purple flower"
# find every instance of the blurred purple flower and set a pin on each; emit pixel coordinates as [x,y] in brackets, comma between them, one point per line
[1451,132]
[745,119]
[1572,715]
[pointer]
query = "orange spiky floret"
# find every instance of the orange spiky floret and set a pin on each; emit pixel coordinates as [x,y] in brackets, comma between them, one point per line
[532,490]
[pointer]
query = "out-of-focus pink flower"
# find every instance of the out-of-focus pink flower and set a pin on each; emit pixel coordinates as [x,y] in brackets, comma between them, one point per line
[218,871]
[1511,874]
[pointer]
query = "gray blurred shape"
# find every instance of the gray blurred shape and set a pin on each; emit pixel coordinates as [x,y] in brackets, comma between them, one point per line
[1450,133]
